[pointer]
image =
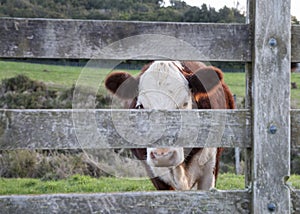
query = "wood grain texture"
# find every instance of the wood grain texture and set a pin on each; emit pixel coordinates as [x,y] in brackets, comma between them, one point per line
[295,45]
[54,38]
[71,129]
[295,196]
[138,202]
[271,106]
[248,95]
[295,127]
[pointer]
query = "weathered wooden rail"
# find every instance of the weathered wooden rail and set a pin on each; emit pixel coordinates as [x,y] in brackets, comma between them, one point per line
[53,38]
[42,38]
[138,202]
[267,43]
[60,129]
[70,129]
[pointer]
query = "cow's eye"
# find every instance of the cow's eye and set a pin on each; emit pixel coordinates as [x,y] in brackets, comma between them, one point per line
[185,104]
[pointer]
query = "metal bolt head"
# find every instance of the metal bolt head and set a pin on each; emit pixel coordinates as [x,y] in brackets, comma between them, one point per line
[273,129]
[272,42]
[271,207]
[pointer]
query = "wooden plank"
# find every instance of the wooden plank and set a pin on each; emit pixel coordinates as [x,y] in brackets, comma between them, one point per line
[295,43]
[295,196]
[271,106]
[55,38]
[66,129]
[248,94]
[138,202]
[248,105]
[295,127]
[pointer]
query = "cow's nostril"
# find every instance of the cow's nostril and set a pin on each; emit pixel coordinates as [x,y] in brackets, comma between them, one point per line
[152,155]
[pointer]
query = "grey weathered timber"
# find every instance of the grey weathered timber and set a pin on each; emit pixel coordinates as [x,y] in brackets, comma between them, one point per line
[271,106]
[295,196]
[295,129]
[138,202]
[248,104]
[295,43]
[71,129]
[54,38]
[248,92]
[267,43]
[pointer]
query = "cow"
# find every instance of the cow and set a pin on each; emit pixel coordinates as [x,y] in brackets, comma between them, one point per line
[176,85]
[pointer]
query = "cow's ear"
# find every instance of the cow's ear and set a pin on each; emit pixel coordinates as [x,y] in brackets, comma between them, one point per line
[205,79]
[122,84]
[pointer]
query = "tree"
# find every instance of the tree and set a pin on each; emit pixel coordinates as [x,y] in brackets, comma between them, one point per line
[192,15]
[144,10]
[295,21]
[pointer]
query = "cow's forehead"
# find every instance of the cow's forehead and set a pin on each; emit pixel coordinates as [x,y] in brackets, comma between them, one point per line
[163,73]
[163,85]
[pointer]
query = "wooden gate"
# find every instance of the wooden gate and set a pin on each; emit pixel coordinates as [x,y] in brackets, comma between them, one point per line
[267,43]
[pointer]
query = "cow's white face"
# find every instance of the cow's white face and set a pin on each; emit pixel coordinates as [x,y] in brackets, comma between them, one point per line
[163,86]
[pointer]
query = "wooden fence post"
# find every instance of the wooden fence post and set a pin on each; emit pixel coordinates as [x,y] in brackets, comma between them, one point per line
[248,92]
[271,106]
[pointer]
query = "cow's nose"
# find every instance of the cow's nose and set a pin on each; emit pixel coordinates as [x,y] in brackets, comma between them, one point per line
[159,153]
[153,155]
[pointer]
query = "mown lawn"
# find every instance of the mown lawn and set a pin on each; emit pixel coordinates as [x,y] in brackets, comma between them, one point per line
[86,184]
[63,77]
[236,82]
[74,184]
[54,76]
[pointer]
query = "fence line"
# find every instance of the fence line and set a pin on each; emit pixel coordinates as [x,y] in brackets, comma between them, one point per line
[52,38]
[71,129]
[268,44]
[138,202]
[54,129]
[70,39]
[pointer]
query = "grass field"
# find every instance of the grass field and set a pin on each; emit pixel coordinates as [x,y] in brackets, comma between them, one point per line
[86,184]
[63,77]
[52,75]
[79,184]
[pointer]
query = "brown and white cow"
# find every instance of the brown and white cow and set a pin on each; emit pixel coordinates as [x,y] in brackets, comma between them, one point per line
[176,85]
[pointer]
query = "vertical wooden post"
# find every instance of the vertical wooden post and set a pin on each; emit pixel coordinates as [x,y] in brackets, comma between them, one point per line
[248,94]
[271,106]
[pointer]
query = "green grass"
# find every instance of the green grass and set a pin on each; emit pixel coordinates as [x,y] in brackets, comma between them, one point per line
[229,181]
[75,184]
[294,181]
[86,184]
[236,83]
[63,77]
[52,75]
